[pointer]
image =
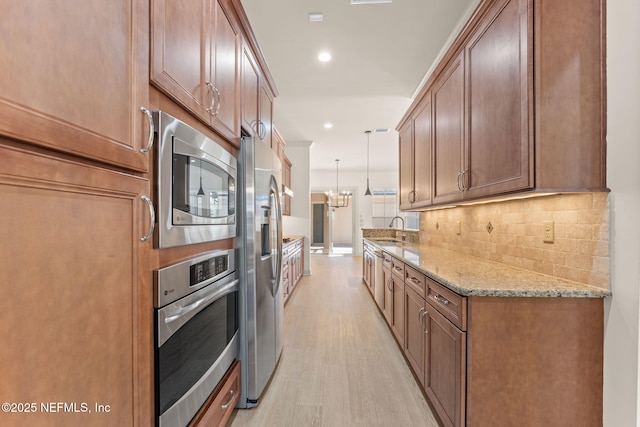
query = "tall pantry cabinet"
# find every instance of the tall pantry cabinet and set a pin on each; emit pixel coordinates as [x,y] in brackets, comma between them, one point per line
[76,320]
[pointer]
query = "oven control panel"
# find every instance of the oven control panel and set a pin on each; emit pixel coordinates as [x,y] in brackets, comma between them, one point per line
[208,269]
[178,280]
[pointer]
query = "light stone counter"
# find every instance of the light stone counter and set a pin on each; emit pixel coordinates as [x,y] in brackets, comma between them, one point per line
[471,276]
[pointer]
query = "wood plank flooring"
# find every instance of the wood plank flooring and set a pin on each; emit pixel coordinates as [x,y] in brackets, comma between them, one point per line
[340,365]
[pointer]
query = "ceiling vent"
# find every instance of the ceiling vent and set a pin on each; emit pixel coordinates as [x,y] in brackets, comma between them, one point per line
[370,1]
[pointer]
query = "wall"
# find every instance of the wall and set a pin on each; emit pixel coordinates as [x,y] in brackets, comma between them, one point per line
[299,222]
[621,397]
[580,251]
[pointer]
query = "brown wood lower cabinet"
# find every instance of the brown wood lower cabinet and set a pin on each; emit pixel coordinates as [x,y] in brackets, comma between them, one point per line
[498,361]
[77,325]
[397,313]
[444,367]
[292,266]
[414,342]
[218,408]
[388,289]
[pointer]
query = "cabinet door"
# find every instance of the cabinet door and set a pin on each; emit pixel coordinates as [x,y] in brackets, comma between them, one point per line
[250,91]
[422,154]
[445,367]
[497,154]
[406,165]
[266,114]
[74,76]
[388,296]
[76,308]
[448,132]
[225,116]
[414,332]
[397,325]
[181,53]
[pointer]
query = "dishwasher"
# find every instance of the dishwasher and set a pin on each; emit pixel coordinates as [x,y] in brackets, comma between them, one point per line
[378,279]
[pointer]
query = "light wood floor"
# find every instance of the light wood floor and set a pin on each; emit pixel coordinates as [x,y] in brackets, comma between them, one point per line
[340,365]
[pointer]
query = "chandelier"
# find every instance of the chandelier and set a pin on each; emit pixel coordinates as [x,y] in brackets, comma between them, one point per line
[340,199]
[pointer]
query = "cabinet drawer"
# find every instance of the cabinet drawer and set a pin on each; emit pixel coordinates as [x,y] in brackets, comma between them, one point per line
[450,304]
[415,280]
[397,268]
[387,261]
[217,410]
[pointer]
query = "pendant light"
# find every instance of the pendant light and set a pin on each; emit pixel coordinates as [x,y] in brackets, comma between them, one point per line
[368,192]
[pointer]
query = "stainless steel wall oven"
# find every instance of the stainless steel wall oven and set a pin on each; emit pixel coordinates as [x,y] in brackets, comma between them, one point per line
[196,333]
[196,185]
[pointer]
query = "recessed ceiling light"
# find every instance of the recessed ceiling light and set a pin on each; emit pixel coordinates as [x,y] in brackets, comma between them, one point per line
[369,1]
[328,125]
[316,17]
[324,57]
[381,130]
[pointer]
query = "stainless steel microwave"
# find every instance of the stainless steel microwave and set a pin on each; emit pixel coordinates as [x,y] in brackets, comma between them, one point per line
[196,185]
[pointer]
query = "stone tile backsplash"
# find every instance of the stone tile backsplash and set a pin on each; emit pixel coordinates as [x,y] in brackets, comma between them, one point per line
[580,251]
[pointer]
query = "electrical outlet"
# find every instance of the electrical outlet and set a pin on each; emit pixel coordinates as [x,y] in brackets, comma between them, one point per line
[549,233]
[458,228]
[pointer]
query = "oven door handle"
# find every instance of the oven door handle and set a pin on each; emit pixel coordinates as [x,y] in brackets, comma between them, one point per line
[193,306]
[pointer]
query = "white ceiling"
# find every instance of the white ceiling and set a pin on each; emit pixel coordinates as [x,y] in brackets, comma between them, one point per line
[381,53]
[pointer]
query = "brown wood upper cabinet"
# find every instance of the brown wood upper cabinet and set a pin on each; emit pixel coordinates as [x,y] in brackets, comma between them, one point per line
[74,76]
[195,51]
[497,103]
[448,134]
[257,100]
[517,105]
[415,151]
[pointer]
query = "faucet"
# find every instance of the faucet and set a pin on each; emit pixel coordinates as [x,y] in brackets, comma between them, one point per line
[404,236]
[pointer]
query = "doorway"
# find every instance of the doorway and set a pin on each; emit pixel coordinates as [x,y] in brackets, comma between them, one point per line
[317,236]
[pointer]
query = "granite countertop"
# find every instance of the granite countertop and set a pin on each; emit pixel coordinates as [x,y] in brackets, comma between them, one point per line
[471,276]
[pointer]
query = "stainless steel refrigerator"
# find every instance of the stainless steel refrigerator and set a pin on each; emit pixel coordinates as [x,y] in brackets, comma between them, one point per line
[261,303]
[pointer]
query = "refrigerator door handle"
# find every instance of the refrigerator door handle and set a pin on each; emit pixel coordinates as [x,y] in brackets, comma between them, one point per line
[275,192]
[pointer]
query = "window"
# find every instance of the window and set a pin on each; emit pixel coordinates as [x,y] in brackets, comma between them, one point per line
[385,207]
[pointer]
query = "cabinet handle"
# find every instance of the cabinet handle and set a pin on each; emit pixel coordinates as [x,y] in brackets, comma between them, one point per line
[414,280]
[441,299]
[213,98]
[152,219]
[462,181]
[219,96]
[262,133]
[151,131]
[421,319]
[389,284]
[459,184]
[226,405]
